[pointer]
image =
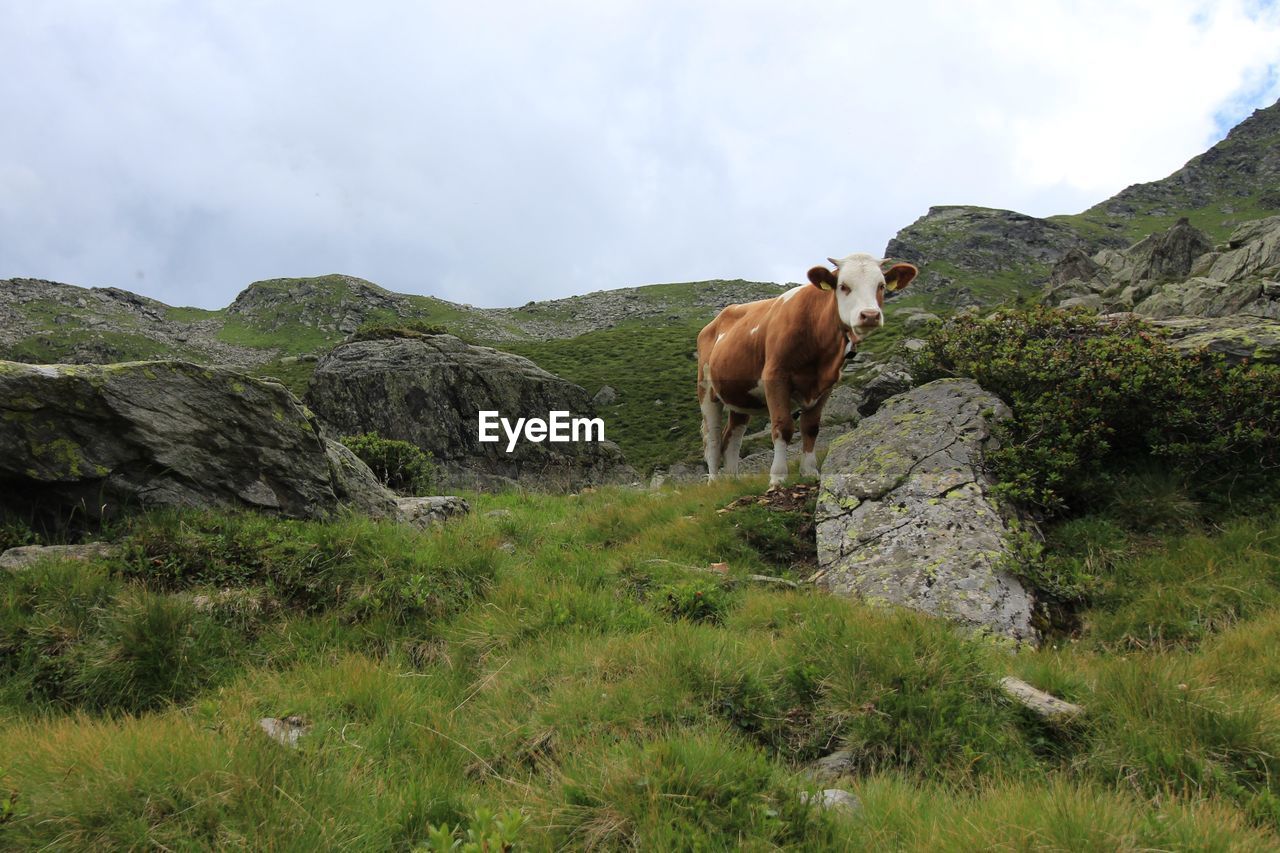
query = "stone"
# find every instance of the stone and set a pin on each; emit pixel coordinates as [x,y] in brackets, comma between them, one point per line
[1237,337]
[1043,705]
[426,512]
[285,731]
[885,380]
[606,396]
[100,439]
[429,390]
[834,800]
[830,768]
[905,514]
[25,556]
[920,322]
[1091,301]
[498,513]
[1253,252]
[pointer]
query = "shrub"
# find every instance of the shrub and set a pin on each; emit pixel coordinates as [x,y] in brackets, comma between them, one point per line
[1091,397]
[402,466]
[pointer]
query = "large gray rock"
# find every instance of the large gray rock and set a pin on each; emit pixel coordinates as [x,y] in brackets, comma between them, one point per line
[430,390]
[1253,252]
[1237,337]
[167,433]
[1199,297]
[905,515]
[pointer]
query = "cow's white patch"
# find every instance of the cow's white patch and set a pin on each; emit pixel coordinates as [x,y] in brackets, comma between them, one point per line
[733,450]
[778,470]
[809,465]
[786,297]
[558,427]
[755,329]
[720,337]
[711,435]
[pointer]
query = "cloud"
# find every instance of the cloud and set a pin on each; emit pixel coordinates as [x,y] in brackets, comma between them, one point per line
[496,153]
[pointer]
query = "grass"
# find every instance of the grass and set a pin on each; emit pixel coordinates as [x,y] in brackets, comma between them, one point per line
[579,678]
[653,368]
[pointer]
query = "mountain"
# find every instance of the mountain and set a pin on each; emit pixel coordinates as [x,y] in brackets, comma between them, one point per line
[975,255]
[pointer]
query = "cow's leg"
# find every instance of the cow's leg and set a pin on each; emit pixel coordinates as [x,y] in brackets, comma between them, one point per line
[732,441]
[810,420]
[711,432]
[778,394]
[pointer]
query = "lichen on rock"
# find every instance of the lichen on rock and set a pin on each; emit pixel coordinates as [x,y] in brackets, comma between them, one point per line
[905,514]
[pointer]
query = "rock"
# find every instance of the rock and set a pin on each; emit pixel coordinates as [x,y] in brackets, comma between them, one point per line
[832,767]
[1077,267]
[885,380]
[1043,705]
[498,513]
[429,391]
[426,512]
[103,438]
[834,800]
[1169,256]
[905,515]
[842,406]
[1253,252]
[1199,297]
[285,731]
[606,396]
[24,556]
[919,322]
[1092,302]
[1237,337]
[975,244]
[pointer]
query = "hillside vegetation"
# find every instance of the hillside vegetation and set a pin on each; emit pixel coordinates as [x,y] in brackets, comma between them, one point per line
[591,680]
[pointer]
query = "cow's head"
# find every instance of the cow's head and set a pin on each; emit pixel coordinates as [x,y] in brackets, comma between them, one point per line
[860,285]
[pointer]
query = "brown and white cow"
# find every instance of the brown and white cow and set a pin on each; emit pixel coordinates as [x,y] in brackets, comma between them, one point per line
[784,354]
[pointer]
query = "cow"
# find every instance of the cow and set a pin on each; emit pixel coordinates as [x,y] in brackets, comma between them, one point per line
[784,354]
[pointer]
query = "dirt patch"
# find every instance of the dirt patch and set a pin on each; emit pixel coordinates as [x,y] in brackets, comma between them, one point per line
[779,526]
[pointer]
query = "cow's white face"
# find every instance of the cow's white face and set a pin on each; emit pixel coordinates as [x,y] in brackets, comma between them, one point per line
[860,287]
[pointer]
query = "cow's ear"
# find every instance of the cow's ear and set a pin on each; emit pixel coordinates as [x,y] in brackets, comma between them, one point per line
[822,277]
[899,276]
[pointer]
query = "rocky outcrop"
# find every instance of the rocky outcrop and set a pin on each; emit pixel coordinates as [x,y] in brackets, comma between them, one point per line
[425,513]
[99,439]
[1175,274]
[1237,337]
[905,516]
[958,247]
[1252,253]
[44,321]
[429,391]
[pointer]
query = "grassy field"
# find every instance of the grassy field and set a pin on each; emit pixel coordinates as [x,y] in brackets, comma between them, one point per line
[590,688]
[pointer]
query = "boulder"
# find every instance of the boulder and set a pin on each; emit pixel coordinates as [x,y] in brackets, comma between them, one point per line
[100,438]
[905,515]
[429,391]
[1199,297]
[1169,256]
[1237,337]
[1253,252]
[428,512]
[25,556]
[606,396]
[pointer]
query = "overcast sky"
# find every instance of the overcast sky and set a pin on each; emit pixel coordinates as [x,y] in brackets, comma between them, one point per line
[497,152]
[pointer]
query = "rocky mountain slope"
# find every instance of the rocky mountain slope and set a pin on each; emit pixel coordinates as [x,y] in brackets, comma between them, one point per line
[974,255]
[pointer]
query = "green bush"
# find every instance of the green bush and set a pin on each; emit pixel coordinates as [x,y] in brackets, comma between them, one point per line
[402,466]
[1092,397]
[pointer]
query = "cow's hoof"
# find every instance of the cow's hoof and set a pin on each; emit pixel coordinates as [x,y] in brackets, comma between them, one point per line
[809,472]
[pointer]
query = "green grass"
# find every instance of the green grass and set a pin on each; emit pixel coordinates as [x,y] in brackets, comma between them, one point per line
[582,681]
[1212,219]
[653,368]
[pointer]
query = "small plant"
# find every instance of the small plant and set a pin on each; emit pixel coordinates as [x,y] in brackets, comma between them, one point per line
[401,466]
[15,533]
[696,601]
[487,833]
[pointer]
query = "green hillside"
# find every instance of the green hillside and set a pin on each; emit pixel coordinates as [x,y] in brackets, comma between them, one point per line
[595,690]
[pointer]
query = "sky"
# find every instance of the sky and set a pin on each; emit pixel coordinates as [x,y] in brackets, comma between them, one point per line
[495,153]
